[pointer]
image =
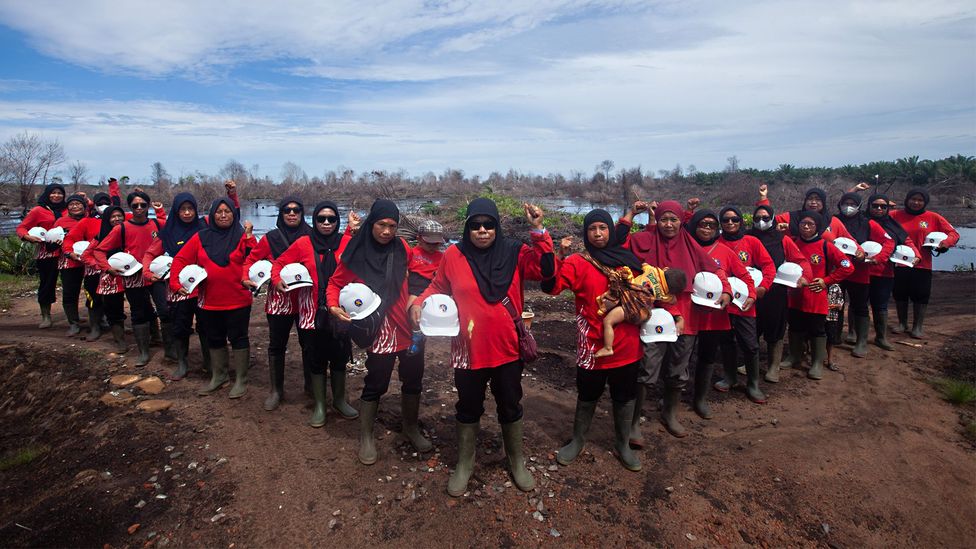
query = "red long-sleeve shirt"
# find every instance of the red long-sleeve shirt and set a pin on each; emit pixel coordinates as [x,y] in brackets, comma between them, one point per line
[305,299]
[836,229]
[488,337]
[919,226]
[710,319]
[751,253]
[222,289]
[863,269]
[68,223]
[886,269]
[138,239]
[39,216]
[840,267]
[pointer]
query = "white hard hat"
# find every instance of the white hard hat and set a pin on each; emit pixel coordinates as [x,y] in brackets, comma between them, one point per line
[740,292]
[79,247]
[788,274]
[260,272]
[934,239]
[160,266]
[756,275]
[871,248]
[101,209]
[707,289]
[191,276]
[54,235]
[659,328]
[846,245]
[358,300]
[439,316]
[38,232]
[125,263]
[295,275]
[903,255]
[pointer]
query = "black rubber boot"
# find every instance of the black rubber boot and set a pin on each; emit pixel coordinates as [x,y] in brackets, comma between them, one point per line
[669,412]
[118,335]
[851,337]
[45,316]
[703,380]
[141,334]
[467,436]
[861,324]
[219,357]
[318,393]
[182,346]
[95,315]
[155,336]
[169,347]
[819,356]
[901,309]
[204,353]
[623,414]
[795,358]
[918,310]
[880,331]
[240,360]
[636,436]
[410,412]
[752,381]
[775,353]
[339,403]
[74,321]
[276,371]
[367,443]
[512,438]
[730,376]
[581,424]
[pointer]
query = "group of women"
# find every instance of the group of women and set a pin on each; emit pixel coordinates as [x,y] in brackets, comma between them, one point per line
[485,273]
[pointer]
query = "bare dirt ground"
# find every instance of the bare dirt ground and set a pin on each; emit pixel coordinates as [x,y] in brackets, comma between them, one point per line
[870,456]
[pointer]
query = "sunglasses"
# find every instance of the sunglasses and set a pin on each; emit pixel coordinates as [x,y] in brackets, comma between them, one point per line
[326,218]
[291,210]
[707,225]
[735,219]
[489,225]
[761,218]
[879,206]
[807,224]
[139,206]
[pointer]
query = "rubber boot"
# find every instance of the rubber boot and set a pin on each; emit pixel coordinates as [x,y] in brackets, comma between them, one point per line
[880,331]
[730,376]
[155,336]
[581,424]
[45,316]
[276,371]
[901,309]
[410,411]
[851,337]
[182,346]
[71,314]
[512,438]
[669,412]
[367,444]
[636,436]
[795,358]
[918,318]
[141,334]
[318,393]
[861,324]
[819,356]
[204,353]
[240,360]
[95,316]
[118,335]
[467,436]
[339,403]
[169,348]
[703,380]
[307,374]
[218,370]
[753,391]
[623,414]
[775,353]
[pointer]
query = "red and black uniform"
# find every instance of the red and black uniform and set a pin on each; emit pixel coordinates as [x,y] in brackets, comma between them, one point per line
[862,229]
[808,309]
[108,286]
[915,283]
[834,227]
[134,239]
[45,215]
[86,230]
[72,270]
[423,267]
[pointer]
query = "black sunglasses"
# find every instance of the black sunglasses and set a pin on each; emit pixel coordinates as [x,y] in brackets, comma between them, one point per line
[326,218]
[735,219]
[879,206]
[291,210]
[761,218]
[139,206]
[489,225]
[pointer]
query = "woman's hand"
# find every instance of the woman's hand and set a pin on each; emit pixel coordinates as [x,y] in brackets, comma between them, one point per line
[114,272]
[862,186]
[782,227]
[817,285]
[763,192]
[760,292]
[565,246]
[354,221]
[340,314]
[248,228]
[231,187]
[679,324]
[281,286]
[157,205]
[414,314]
[248,284]
[724,300]
[534,215]
[693,203]
[748,304]
[183,291]
[152,277]
[32,238]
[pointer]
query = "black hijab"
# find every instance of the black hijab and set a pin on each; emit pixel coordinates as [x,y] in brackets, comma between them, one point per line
[217,242]
[45,200]
[771,238]
[106,224]
[692,225]
[325,245]
[738,235]
[284,236]
[81,200]
[382,267]
[612,255]
[494,266]
[858,224]
[816,217]
[824,213]
[892,227]
[925,196]
[175,233]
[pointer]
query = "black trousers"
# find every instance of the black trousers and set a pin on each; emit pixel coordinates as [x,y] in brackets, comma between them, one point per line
[744,338]
[91,287]
[622,381]
[379,369]
[140,305]
[857,297]
[506,387]
[47,273]
[913,284]
[181,315]
[710,343]
[158,294]
[279,328]
[771,314]
[880,292]
[221,327]
[809,324]
[321,350]
[114,308]
[71,280]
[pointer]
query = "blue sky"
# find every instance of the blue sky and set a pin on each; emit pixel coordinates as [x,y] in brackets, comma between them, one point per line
[548,86]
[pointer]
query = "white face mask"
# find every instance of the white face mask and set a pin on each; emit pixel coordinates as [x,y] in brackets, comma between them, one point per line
[101,209]
[849,210]
[764,225]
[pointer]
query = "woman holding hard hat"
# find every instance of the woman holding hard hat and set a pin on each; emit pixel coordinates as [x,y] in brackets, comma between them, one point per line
[217,252]
[78,239]
[815,200]
[930,232]
[322,346]
[71,269]
[883,273]
[50,207]
[484,274]
[110,287]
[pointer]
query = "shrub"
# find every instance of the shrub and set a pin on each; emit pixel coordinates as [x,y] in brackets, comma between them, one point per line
[956,391]
[16,256]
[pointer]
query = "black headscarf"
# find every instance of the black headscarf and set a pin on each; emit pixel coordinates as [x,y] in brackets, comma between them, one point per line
[612,255]
[220,243]
[817,218]
[738,235]
[382,267]
[771,238]
[824,212]
[45,199]
[494,266]
[858,224]
[101,199]
[176,232]
[692,225]
[892,227]
[81,200]
[106,224]
[925,196]
[140,194]
[325,245]
[284,236]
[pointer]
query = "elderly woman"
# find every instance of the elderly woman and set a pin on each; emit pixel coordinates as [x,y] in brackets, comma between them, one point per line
[69,264]
[484,274]
[50,207]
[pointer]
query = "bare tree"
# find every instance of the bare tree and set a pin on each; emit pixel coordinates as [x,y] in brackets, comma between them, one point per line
[733,164]
[235,171]
[27,159]
[78,172]
[605,167]
[292,173]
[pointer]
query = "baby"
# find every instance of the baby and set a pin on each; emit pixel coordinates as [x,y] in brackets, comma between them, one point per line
[630,298]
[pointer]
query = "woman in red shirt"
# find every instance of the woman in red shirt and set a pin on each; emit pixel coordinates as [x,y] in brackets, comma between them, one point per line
[72,270]
[225,303]
[883,274]
[86,230]
[110,287]
[50,207]
[484,274]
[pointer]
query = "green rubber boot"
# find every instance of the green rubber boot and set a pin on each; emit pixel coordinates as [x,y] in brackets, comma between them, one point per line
[155,336]
[775,353]
[861,324]
[581,424]
[730,376]
[623,414]
[918,310]
[74,321]
[182,347]
[45,316]
[367,444]
[901,308]
[851,337]
[512,437]
[753,391]
[819,356]
[141,334]
[118,336]
[880,331]
[318,393]
[240,361]
[204,353]
[95,316]
[276,371]
[218,370]
[795,358]
[410,412]
[669,412]
[636,436]
[339,402]
[703,380]
[467,436]
[169,343]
